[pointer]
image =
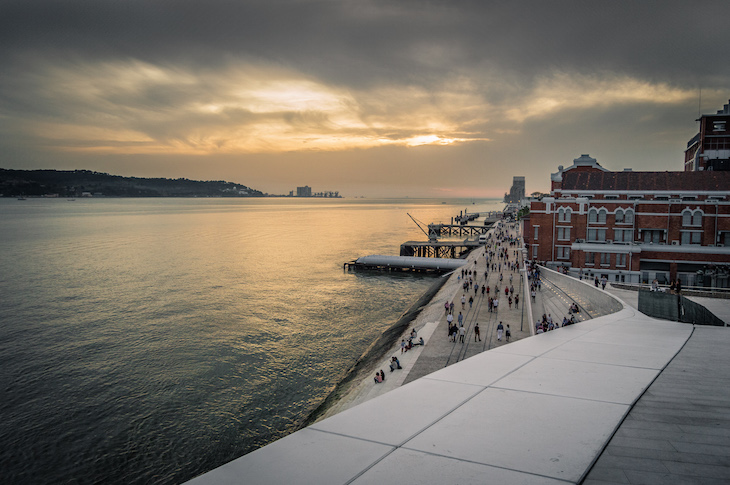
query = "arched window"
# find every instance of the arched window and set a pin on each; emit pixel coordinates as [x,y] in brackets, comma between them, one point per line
[563,215]
[629,216]
[692,218]
[602,216]
[592,215]
[619,215]
[686,217]
[697,218]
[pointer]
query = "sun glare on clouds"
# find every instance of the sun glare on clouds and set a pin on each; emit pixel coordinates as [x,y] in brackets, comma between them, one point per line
[134,107]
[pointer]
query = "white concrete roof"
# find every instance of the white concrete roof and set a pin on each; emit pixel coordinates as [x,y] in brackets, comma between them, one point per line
[411,262]
[539,410]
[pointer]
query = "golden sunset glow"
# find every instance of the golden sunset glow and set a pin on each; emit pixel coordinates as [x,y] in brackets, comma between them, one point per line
[277,94]
[241,111]
[258,110]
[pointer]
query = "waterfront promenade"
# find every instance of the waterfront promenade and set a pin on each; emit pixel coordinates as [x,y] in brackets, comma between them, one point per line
[537,410]
[431,324]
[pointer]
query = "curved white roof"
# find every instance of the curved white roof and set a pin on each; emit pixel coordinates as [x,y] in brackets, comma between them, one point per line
[412,262]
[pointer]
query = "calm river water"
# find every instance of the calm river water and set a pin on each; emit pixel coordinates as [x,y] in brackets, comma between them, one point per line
[151,340]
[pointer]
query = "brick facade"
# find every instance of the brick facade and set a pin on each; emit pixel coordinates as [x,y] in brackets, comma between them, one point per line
[634,226]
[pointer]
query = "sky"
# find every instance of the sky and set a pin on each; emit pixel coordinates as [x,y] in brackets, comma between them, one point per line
[369,98]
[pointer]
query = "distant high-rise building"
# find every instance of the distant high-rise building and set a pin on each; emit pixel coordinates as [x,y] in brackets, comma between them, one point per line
[710,148]
[517,192]
[305,191]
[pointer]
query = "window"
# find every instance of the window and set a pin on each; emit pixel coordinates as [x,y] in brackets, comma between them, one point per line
[563,253]
[697,218]
[592,215]
[691,237]
[653,236]
[596,235]
[534,251]
[564,233]
[686,217]
[619,216]
[623,235]
[602,216]
[536,228]
[563,215]
[692,218]
[605,259]
[590,258]
[620,260]
[629,216]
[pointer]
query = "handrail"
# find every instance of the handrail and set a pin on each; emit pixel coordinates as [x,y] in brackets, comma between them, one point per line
[716,291]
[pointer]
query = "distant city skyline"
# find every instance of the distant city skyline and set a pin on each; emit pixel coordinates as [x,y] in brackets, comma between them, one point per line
[375,98]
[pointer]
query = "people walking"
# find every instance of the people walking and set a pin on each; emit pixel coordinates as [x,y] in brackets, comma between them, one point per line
[500,329]
[476,332]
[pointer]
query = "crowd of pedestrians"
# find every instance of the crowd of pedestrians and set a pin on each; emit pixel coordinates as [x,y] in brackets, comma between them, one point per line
[501,258]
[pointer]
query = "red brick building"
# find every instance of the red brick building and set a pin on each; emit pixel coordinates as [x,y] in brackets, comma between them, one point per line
[634,226]
[710,148]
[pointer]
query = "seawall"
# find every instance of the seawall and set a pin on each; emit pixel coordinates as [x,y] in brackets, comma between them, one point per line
[367,362]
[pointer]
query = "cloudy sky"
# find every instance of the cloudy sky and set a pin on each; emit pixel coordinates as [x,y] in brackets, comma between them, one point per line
[377,98]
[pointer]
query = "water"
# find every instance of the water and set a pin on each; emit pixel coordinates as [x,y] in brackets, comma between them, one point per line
[151,340]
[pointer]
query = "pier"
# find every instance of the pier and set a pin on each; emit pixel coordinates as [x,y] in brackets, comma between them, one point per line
[437,230]
[458,227]
[438,249]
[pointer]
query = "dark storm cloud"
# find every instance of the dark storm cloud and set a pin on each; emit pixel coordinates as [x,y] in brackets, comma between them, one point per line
[367,41]
[534,82]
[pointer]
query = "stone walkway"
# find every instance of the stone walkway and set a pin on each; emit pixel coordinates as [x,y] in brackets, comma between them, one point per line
[431,324]
[439,351]
[679,430]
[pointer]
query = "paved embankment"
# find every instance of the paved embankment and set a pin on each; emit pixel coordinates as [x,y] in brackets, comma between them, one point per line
[679,431]
[440,351]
